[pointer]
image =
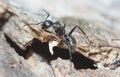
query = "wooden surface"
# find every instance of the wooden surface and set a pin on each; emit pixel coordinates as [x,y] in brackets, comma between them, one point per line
[31,43]
[10,63]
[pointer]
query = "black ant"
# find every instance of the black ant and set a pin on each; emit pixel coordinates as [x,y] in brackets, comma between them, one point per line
[60,31]
[66,37]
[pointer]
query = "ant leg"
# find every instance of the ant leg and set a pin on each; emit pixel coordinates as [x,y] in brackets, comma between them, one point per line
[47,14]
[71,49]
[33,23]
[81,31]
[70,55]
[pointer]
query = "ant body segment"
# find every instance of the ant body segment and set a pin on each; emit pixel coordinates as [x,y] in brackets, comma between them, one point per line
[60,31]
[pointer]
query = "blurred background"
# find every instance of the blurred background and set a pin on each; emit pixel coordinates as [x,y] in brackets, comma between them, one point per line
[105,11]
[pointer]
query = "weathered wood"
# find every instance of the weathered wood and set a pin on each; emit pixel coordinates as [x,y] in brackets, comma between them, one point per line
[101,49]
[26,33]
[11,64]
[62,69]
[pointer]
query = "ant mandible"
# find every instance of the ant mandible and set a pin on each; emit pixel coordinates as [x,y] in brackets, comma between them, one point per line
[60,31]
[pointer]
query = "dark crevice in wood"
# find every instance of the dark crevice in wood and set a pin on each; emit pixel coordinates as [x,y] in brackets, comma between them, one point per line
[17,48]
[80,61]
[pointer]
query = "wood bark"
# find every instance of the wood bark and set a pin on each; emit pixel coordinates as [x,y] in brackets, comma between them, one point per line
[15,26]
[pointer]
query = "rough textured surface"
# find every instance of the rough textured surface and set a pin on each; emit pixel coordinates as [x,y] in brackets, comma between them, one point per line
[99,34]
[11,64]
[62,69]
[102,51]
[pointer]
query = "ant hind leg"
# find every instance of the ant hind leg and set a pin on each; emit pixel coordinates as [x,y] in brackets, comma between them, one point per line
[72,30]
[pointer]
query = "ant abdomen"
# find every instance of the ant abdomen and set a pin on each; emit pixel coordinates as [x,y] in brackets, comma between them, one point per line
[71,42]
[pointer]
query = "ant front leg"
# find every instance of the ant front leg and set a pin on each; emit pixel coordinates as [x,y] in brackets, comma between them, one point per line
[81,31]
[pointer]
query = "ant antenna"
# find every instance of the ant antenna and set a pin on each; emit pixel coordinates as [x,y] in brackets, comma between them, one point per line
[81,31]
[40,22]
[46,13]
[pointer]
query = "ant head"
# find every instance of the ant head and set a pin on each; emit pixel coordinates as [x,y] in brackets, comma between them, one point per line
[47,24]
